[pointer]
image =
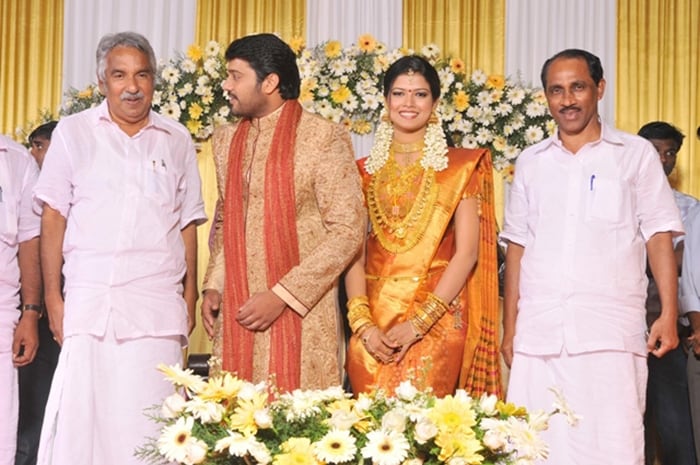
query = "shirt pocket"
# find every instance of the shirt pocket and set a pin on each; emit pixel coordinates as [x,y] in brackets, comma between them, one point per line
[160,183]
[9,207]
[605,199]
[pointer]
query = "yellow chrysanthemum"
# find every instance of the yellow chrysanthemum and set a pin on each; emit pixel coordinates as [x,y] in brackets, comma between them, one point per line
[87,93]
[221,387]
[195,111]
[305,95]
[296,451]
[194,52]
[452,414]
[496,81]
[457,66]
[332,49]
[510,409]
[243,417]
[182,377]
[499,143]
[460,100]
[464,446]
[362,127]
[297,43]
[194,125]
[367,43]
[341,94]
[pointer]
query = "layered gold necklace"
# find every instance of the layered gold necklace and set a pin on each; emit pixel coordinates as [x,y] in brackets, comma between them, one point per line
[400,201]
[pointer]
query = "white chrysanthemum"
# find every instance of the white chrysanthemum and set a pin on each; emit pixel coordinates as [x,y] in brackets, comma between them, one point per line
[203,80]
[260,453]
[175,374]
[263,418]
[211,67]
[385,447]
[170,74]
[447,77]
[188,66]
[205,411]
[394,420]
[534,134]
[237,444]
[196,451]
[511,152]
[431,52]
[484,98]
[337,446]
[503,109]
[406,391]
[483,136]
[174,439]
[185,90]
[562,406]
[516,95]
[525,441]
[212,48]
[425,430]
[487,403]
[479,77]
[535,109]
[173,405]
[301,404]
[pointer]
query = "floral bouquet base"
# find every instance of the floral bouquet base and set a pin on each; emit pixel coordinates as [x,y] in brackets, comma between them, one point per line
[225,420]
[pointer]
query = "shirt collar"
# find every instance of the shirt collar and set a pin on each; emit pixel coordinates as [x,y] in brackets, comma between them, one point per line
[154,121]
[608,134]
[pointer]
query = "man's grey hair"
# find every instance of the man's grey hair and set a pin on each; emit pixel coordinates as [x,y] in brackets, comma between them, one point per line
[123,39]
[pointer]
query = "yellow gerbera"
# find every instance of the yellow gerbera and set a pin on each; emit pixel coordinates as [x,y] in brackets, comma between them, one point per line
[243,417]
[362,127]
[457,66]
[221,387]
[452,414]
[194,125]
[87,93]
[332,49]
[510,409]
[496,81]
[367,43]
[296,451]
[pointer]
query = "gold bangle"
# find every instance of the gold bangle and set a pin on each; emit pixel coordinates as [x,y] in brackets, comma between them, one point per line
[358,313]
[429,313]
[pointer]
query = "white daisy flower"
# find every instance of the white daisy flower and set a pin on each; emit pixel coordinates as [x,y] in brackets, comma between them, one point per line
[337,446]
[385,447]
[174,439]
[533,134]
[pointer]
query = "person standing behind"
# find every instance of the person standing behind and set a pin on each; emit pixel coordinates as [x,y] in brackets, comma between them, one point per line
[426,286]
[292,221]
[121,199]
[668,409]
[584,207]
[35,378]
[19,262]
[690,305]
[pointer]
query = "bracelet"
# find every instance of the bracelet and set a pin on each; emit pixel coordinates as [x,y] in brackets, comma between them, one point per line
[359,315]
[429,313]
[33,307]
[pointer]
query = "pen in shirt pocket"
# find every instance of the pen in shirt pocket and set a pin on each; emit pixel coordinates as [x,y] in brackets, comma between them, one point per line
[592,181]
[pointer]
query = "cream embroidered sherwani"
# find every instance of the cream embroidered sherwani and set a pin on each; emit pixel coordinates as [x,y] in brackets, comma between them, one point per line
[330,227]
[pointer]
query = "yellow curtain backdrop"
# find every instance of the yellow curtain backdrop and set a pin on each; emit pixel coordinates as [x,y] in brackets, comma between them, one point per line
[31,51]
[473,30]
[658,71]
[224,21]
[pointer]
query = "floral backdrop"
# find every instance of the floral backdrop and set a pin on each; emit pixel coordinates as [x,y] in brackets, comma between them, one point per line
[343,84]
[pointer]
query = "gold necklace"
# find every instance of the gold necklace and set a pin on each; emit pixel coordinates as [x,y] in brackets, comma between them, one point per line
[399,234]
[411,147]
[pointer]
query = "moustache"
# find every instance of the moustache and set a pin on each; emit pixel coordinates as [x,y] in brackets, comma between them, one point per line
[126,95]
[570,107]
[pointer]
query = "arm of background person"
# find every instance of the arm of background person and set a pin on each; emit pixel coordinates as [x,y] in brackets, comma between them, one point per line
[663,334]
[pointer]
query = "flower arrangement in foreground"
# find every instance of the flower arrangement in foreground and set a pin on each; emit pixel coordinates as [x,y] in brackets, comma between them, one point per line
[224,420]
[343,84]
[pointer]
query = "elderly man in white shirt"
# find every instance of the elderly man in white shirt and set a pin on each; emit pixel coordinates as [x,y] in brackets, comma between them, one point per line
[121,199]
[19,261]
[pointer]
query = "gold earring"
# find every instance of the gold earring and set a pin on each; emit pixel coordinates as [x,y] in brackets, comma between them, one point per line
[433,118]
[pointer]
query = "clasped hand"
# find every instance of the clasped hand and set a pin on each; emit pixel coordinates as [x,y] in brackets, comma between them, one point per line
[390,347]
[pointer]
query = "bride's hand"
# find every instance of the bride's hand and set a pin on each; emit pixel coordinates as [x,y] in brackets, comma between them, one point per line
[378,345]
[403,335]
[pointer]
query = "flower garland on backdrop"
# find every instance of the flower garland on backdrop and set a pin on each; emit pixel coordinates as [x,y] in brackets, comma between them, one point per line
[343,84]
[224,420]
